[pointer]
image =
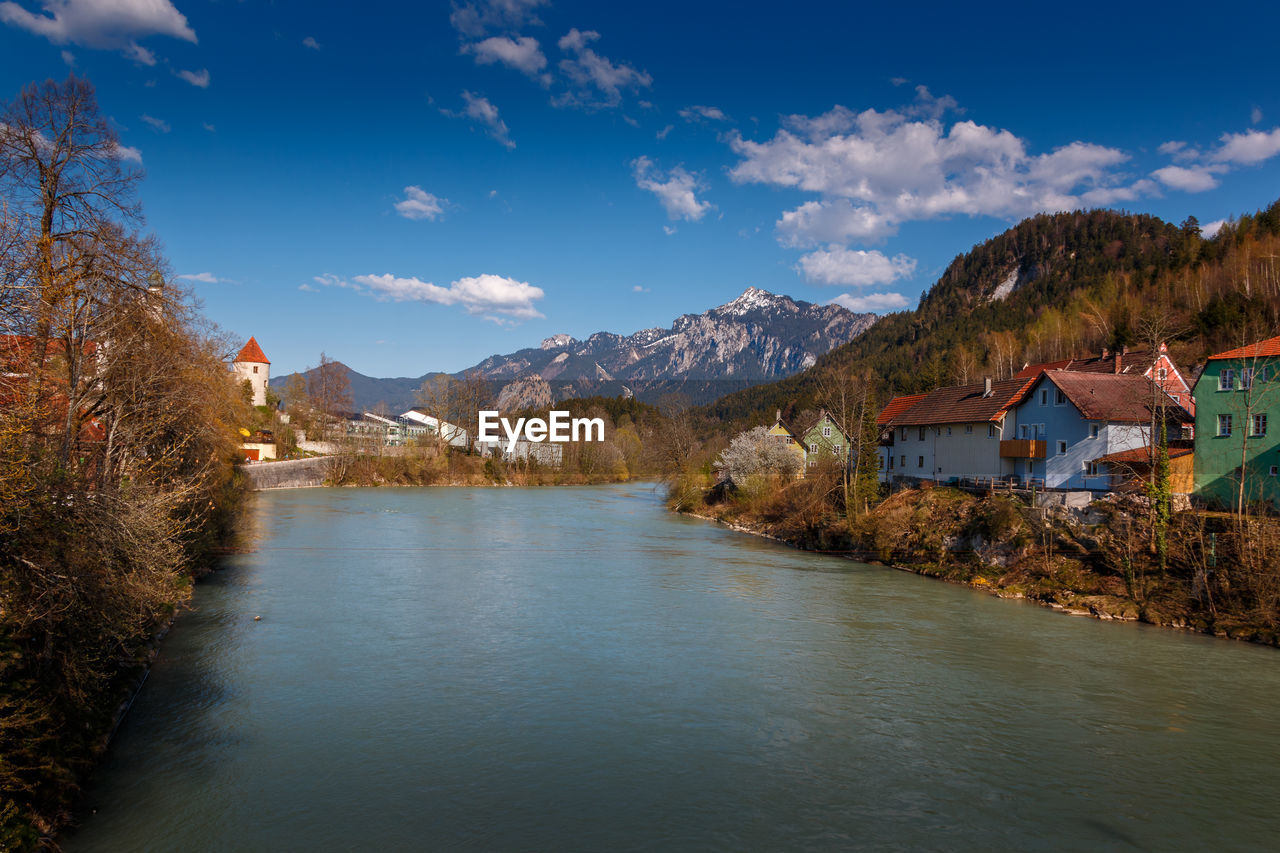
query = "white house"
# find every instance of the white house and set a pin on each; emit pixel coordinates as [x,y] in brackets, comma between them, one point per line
[455,435]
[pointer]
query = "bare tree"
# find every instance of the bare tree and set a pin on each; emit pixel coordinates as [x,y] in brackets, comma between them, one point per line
[329,388]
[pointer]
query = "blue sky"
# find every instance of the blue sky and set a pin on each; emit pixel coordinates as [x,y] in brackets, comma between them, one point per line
[413,187]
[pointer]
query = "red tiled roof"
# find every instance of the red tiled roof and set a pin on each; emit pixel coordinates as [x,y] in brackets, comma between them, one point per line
[1113,397]
[959,404]
[252,353]
[1262,349]
[897,406]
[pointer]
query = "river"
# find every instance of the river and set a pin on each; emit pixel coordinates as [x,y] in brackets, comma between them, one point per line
[569,669]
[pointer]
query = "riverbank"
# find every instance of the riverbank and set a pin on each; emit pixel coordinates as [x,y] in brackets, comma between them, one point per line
[1219,579]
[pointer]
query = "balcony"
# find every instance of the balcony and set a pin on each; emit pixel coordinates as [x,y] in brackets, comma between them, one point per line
[1022,448]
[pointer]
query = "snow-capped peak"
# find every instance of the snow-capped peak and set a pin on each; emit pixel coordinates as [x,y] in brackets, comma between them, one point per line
[558,342]
[752,299]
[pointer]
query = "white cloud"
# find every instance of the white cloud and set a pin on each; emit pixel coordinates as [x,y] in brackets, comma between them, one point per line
[209,127]
[196,78]
[842,266]
[871,302]
[669,230]
[1248,148]
[521,53]
[834,221]
[102,24]
[494,297]
[69,58]
[1255,115]
[307,288]
[127,152]
[310,42]
[594,81]
[157,124]
[1192,179]
[418,204]
[1211,229]
[874,170]
[700,113]
[203,277]
[477,19]
[638,289]
[662,134]
[678,193]
[481,111]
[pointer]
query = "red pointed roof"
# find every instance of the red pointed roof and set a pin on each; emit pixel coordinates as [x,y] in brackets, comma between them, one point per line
[252,353]
[1262,349]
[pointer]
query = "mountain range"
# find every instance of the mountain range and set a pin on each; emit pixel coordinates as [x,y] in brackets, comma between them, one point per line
[758,337]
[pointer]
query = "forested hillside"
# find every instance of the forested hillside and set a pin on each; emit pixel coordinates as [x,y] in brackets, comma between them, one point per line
[1051,287]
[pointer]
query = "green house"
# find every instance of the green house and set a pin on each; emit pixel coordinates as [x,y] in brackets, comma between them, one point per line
[1237,459]
[824,438]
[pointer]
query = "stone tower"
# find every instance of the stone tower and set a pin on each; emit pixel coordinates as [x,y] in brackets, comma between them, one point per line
[252,364]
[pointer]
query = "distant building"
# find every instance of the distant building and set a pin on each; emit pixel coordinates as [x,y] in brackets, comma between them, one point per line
[884,422]
[420,423]
[251,365]
[824,439]
[779,433]
[1238,426]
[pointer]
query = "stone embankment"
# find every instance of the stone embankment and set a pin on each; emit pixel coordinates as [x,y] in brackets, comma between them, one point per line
[290,474]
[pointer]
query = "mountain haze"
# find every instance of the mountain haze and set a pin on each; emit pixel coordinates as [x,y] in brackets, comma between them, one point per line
[757,337]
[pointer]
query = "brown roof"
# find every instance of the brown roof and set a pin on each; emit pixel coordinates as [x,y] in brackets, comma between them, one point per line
[1113,397]
[959,404]
[897,406]
[1130,362]
[1141,455]
[252,353]
[1262,349]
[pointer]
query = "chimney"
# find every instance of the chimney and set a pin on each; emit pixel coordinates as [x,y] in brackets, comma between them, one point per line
[986,386]
[1119,361]
[1163,347]
[1105,352]
[778,418]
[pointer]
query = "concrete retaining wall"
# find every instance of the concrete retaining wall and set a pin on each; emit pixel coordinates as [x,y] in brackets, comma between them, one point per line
[291,474]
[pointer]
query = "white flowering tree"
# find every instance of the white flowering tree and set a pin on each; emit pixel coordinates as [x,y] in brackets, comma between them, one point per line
[755,455]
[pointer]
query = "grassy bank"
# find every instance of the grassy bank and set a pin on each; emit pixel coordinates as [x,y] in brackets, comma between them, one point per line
[1222,575]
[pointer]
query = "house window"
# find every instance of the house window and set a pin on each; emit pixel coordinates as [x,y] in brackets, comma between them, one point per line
[1091,468]
[904,462]
[1163,373]
[922,433]
[1062,448]
[1274,470]
[1025,428]
[813,448]
[1259,426]
[904,433]
[813,463]
[920,463]
[1031,467]
[1044,396]
[1226,380]
[835,448]
[1246,378]
[991,430]
[255,368]
[968,428]
[1060,398]
[1177,398]
[1224,425]
[948,430]
[890,463]
[826,432]
[1094,429]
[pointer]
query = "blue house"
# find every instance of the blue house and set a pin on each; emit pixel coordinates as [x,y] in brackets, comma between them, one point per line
[1068,420]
